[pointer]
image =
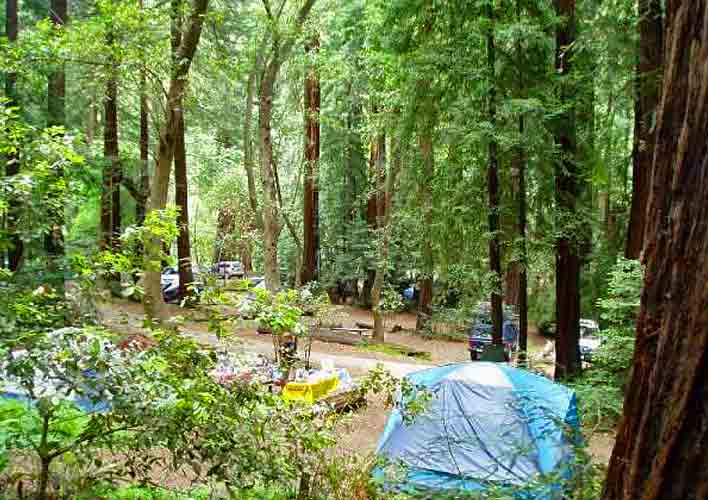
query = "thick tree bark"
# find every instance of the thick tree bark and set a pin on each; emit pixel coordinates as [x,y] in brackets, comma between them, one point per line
[112,172]
[311,216]
[15,252]
[647,79]
[566,194]
[660,447]
[153,302]
[493,189]
[425,141]
[56,116]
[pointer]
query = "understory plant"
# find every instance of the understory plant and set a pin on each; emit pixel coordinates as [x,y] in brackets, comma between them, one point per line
[601,387]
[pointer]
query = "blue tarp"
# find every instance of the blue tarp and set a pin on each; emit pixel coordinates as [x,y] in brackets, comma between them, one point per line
[487,423]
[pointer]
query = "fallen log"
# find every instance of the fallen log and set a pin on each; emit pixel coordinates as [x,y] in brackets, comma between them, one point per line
[366,326]
[338,337]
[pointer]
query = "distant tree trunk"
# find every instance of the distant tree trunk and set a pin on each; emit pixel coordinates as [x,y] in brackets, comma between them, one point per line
[248,160]
[387,185]
[56,116]
[425,141]
[153,302]
[184,253]
[16,249]
[110,194]
[647,79]
[519,167]
[566,194]
[271,212]
[354,167]
[660,452]
[493,189]
[377,165]
[311,217]
[144,185]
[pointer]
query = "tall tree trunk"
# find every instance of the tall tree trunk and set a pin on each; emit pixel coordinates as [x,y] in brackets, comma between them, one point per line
[522,297]
[248,160]
[16,249]
[519,168]
[425,141]
[648,75]
[271,213]
[144,185]
[311,216]
[184,254]
[110,194]
[387,187]
[566,194]
[144,181]
[493,188]
[56,116]
[660,447]
[153,302]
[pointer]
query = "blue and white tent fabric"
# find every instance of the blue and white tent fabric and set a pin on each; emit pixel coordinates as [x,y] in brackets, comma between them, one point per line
[486,424]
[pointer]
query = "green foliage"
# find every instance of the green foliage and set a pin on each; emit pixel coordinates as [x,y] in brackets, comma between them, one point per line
[620,307]
[601,388]
[391,300]
[278,313]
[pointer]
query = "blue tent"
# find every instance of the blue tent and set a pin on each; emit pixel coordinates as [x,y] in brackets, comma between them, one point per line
[487,423]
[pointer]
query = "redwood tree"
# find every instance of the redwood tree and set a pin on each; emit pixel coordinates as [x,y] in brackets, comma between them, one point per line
[184,254]
[311,217]
[647,81]
[12,165]
[56,116]
[660,452]
[566,195]
[493,187]
[110,194]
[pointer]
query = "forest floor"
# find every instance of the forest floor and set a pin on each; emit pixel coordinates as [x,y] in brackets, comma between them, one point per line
[360,430]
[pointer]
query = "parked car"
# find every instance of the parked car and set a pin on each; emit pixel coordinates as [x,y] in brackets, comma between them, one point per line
[169,281]
[480,333]
[589,339]
[229,269]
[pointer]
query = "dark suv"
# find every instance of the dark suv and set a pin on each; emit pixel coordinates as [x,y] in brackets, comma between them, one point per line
[480,333]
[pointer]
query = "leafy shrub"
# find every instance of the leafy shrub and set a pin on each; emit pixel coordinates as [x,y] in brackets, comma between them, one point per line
[601,388]
[278,313]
